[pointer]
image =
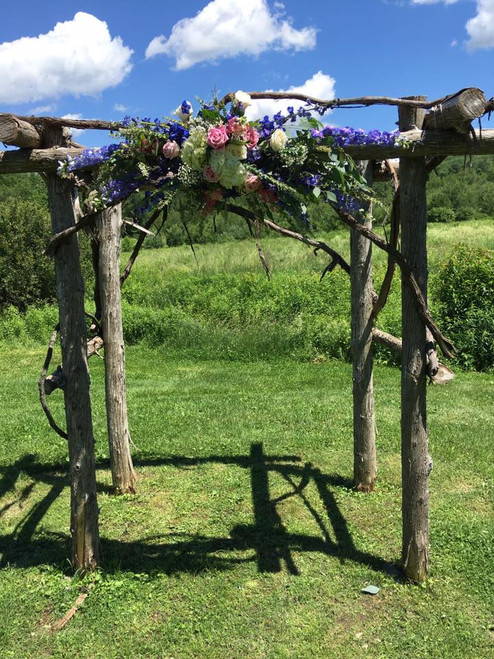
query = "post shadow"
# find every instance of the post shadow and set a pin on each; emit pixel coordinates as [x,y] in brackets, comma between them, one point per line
[267,537]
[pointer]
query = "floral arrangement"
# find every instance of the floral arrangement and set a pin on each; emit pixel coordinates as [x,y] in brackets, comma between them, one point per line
[202,162]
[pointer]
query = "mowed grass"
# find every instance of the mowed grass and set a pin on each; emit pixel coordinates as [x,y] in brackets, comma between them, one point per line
[245,539]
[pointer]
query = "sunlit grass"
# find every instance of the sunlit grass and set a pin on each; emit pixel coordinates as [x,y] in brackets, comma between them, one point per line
[244,539]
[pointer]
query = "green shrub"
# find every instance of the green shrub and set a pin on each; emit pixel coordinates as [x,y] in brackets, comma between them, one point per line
[440,214]
[153,242]
[464,290]
[12,326]
[27,276]
[466,214]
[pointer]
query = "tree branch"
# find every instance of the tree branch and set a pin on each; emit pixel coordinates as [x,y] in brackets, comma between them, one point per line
[446,346]
[317,244]
[41,386]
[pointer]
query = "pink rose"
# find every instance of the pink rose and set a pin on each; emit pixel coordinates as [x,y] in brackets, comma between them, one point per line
[251,136]
[171,150]
[235,127]
[209,174]
[252,182]
[217,137]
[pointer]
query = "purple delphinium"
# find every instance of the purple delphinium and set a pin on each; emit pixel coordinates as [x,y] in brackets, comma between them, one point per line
[92,157]
[346,136]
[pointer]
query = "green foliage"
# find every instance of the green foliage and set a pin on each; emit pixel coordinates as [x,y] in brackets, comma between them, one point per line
[464,186]
[464,291]
[441,214]
[27,276]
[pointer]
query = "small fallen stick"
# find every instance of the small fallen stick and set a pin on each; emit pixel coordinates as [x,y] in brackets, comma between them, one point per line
[60,624]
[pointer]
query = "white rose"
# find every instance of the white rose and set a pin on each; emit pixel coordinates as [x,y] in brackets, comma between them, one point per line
[278,140]
[236,150]
[242,97]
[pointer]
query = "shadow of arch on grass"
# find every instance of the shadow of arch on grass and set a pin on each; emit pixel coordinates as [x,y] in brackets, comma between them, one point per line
[266,541]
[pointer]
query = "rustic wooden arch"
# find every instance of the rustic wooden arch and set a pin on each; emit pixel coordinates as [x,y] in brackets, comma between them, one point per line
[444,130]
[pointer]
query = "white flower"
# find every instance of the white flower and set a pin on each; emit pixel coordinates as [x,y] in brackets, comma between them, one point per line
[183,111]
[236,150]
[278,140]
[242,97]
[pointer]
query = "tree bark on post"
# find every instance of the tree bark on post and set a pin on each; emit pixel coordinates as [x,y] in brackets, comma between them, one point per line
[108,224]
[362,294]
[416,463]
[70,293]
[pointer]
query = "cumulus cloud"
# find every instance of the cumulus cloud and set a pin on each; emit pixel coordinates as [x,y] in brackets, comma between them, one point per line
[480,28]
[320,86]
[226,28]
[77,57]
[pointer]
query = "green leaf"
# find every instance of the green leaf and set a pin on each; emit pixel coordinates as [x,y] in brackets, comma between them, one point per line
[316,192]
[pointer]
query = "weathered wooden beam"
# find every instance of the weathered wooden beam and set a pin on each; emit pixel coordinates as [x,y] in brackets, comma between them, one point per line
[108,225]
[362,301]
[57,122]
[457,112]
[419,143]
[415,460]
[15,132]
[22,161]
[70,294]
[428,143]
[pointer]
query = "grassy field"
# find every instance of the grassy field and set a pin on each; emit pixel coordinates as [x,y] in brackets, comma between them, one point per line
[245,539]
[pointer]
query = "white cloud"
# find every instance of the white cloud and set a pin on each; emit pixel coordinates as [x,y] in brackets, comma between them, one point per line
[75,132]
[319,86]
[77,57]
[226,28]
[480,28]
[118,107]
[43,109]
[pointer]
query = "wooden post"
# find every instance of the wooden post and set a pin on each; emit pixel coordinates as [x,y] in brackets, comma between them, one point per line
[108,225]
[416,463]
[70,294]
[364,432]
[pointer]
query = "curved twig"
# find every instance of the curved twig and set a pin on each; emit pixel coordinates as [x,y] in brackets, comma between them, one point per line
[58,238]
[446,346]
[390,270]
[140,240]
[317,244]
[41,386]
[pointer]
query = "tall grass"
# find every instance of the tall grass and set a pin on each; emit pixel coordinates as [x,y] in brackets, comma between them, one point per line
[219,303]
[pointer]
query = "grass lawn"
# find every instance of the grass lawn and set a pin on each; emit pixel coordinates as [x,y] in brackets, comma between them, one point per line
[244,539]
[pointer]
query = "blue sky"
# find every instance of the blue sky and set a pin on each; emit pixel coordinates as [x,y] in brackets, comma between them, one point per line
[107,58]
